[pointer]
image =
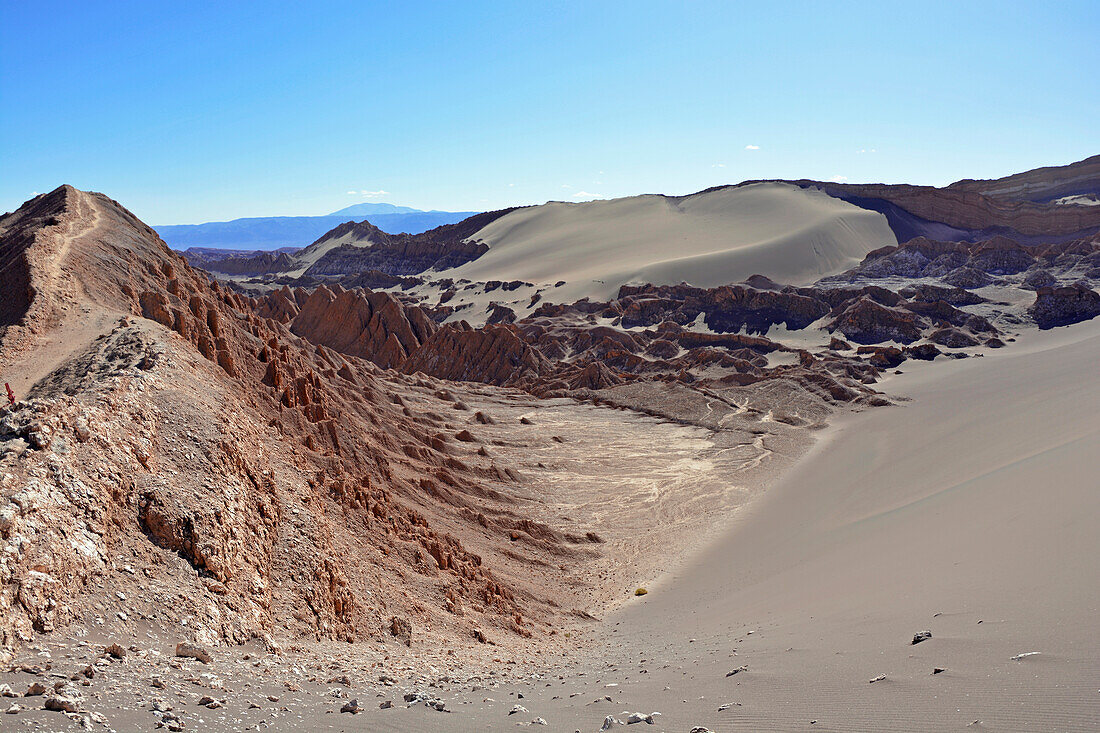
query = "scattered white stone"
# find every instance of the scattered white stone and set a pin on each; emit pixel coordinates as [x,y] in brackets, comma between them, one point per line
[880,678]
[1018,657]
[517,709]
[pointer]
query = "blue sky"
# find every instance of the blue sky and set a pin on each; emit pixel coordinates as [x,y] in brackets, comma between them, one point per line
[190,112]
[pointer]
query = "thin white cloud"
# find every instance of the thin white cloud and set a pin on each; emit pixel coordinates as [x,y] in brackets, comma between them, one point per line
[719,165]
[865,150]
[839,179]
[374,194]
[752,147]
[587,195]
[566,185]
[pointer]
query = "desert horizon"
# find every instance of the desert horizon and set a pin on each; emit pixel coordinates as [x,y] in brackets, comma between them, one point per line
[796,451]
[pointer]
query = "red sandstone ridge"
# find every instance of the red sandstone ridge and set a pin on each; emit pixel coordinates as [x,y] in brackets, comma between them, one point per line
[1041,185]
[374,325]
[495,354]
[267,485]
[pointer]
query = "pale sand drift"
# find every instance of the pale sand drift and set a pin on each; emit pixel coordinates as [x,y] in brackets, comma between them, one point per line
[792,235]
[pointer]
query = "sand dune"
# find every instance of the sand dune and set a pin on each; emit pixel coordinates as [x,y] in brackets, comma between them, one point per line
[707,239]
[977,524]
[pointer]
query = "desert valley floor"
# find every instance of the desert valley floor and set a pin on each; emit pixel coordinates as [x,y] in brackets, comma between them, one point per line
[466,481]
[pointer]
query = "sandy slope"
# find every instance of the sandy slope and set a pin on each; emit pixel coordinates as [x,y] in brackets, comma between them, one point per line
[787,233]
[923,517]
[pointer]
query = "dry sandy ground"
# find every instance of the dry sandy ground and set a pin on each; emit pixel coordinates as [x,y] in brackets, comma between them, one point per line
[791,234]
[971,512]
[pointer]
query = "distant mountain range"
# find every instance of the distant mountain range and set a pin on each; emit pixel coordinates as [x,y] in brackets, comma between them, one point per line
[274,232]
[371,209]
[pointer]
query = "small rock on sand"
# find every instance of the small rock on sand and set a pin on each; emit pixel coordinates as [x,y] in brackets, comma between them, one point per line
[194,651]
[921,636]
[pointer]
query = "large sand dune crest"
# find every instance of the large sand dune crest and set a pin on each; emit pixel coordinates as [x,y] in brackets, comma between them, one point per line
[707,239]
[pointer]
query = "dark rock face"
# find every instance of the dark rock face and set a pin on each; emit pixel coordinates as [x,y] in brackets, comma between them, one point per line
[868,322]
[1039,279]
[501,314]
[1063,306]
[1000,256]
[967,277]
[924,293]
[395,258]
[402,254]
[952,338]
[884,357]
[924,352]
[259,263]
[727,309]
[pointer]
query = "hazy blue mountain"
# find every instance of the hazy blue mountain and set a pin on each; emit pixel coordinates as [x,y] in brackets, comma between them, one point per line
[273,232]
[369,209]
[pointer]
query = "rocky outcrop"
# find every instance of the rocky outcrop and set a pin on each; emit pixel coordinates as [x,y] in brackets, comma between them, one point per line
[868,322]
[1042,185]
[728,308]
[1063,306]
[371,325]
[493,355]
[966,213]
[256,482]
[399,254]
[254,263]
[968,265]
